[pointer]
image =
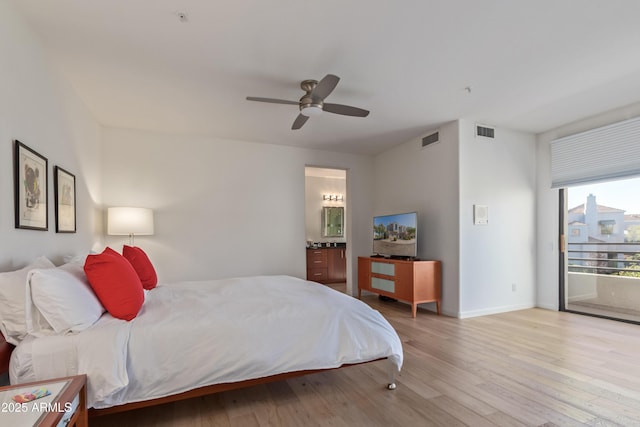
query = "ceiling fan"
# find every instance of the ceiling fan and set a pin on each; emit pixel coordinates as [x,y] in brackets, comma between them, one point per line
[312,102]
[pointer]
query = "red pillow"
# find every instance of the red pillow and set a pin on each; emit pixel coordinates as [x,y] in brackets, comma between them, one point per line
[116,283]
[141,264]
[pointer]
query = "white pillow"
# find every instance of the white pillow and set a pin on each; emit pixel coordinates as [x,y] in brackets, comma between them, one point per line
[12,300]
[60,300]
[74,258]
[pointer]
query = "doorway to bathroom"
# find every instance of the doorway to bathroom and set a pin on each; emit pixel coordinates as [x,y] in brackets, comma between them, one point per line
[326,226]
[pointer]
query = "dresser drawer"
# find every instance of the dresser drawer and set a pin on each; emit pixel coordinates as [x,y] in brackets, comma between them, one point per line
[383,284]
[317,258]
[317,274]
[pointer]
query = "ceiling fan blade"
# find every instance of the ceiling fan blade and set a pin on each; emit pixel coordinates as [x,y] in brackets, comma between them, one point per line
[325,86]
[345,110]
[271,100]
[300,120]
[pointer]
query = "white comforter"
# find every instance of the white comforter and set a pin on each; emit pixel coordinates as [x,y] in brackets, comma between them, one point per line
[193,334]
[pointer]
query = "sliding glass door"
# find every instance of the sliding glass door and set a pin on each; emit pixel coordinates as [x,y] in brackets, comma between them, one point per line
[600,265]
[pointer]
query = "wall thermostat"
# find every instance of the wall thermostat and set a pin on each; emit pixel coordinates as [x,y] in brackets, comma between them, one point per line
[480,214]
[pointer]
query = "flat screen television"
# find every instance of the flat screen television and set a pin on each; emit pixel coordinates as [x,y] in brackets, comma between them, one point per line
[395,236]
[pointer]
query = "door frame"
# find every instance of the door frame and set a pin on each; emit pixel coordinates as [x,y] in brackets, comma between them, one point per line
[562,250]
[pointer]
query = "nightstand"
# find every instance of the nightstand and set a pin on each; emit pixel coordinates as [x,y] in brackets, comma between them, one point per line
[65,406]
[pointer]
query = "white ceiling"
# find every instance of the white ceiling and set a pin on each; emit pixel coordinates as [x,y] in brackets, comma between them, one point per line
[532,65]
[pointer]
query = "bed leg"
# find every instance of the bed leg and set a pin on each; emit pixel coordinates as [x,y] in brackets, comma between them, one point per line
[392,375]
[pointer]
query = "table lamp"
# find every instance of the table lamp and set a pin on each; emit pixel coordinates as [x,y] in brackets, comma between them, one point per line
[127,221]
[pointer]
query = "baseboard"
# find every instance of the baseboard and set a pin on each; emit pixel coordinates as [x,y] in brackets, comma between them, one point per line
[548,307]
[494,310]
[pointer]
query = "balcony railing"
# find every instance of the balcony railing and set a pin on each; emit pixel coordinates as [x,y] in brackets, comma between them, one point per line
[604,258]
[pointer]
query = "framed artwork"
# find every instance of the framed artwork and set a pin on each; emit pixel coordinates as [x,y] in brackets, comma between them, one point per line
[65,194]
[30,188]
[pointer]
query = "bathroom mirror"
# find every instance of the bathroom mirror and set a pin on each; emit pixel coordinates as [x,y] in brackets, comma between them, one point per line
[332,221]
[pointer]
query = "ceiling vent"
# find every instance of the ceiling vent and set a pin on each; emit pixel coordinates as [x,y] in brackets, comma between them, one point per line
[485,131]
[430,139]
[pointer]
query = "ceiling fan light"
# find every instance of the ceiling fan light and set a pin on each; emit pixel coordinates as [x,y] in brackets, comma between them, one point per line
[311,110]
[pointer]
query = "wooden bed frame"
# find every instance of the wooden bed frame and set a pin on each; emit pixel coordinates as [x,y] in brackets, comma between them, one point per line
[5,355]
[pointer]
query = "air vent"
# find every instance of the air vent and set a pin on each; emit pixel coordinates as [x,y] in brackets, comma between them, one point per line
[485,131]
[430,139]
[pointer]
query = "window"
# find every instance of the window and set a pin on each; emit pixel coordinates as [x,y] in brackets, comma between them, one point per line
[575,232]
[606,226]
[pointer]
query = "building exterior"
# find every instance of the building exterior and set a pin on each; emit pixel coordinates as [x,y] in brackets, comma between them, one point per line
[590,222]
[596,235]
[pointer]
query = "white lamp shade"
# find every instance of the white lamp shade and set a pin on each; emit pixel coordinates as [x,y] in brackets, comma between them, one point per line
[311,110]
[128,221]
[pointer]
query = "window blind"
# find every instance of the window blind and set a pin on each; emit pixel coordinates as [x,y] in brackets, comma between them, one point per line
[601,154]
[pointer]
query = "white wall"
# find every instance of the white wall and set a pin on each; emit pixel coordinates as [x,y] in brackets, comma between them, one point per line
[409,178]
[443,182]
[40,109]
[548,202]
[499,173]
[225,208]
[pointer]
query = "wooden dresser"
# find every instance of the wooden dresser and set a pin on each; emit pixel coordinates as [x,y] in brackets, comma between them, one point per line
[414,282]
[327,265]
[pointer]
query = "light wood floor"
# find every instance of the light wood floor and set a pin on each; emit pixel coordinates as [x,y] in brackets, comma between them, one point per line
[525,368]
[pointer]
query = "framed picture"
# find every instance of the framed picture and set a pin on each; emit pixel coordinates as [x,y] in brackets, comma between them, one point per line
[30,188]
[65,194]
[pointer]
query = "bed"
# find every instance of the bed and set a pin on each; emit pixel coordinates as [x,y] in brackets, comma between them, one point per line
[196,338]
